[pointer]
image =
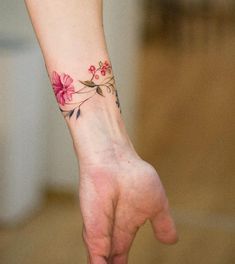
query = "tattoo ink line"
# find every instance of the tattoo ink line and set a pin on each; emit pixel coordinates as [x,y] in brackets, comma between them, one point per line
[63,86]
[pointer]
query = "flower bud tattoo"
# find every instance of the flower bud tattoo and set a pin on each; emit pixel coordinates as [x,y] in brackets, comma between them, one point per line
[70,98]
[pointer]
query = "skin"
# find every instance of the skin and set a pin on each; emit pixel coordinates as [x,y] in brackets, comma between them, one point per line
[118,190]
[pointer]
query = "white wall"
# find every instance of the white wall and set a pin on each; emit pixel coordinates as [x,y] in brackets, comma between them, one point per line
[23,160]
[22,110]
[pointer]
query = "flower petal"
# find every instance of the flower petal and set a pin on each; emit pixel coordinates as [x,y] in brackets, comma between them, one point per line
[56,78]
[66,80]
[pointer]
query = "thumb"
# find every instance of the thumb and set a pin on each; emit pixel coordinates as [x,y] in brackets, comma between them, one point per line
[164,227]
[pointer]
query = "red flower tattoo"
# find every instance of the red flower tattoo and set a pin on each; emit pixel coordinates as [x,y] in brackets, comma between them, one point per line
[96,85]
[63,87]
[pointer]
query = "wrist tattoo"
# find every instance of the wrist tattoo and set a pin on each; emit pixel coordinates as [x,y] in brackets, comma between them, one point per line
[71,96]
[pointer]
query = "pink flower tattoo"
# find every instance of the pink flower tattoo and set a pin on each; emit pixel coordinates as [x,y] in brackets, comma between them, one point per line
[63,87]
[101,80]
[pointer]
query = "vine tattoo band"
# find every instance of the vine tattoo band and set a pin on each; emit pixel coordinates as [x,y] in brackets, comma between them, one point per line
[70,98]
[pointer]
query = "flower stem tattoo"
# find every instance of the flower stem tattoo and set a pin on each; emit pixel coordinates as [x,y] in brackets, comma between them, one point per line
[64,88]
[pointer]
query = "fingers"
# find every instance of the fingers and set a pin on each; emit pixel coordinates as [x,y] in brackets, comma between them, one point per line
[97,232]
[107,250]
[124,231]
[118,259]
[97,238]
[121,243]
[97,260]
[164,227]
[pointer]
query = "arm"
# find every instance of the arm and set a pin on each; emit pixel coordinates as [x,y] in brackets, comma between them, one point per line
[118,190]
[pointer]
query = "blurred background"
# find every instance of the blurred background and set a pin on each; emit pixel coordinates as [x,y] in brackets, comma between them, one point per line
[176,84]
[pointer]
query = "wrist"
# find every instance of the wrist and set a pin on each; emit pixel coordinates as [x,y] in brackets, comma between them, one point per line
[100,136]
[90,106]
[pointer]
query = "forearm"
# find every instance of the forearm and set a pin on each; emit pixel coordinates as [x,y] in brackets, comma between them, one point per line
[69,32]
[72,40]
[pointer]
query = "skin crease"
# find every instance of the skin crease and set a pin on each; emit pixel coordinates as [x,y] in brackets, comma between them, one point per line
[118,190]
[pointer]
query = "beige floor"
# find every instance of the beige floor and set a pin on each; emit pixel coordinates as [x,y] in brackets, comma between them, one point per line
[186,128]
[54,236]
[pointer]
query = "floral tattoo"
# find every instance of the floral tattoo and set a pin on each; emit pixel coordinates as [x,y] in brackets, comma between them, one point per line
[67,95]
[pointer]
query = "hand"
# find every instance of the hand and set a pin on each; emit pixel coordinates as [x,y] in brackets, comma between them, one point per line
[116,198]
